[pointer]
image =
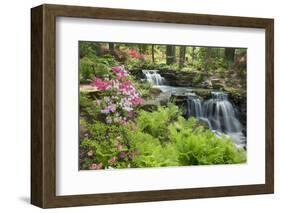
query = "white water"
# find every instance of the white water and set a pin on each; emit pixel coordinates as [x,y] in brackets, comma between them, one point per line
[153,77]
[218,113]
[194,107]
[173,90]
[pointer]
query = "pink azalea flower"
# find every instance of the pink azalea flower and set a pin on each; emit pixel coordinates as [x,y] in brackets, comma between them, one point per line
[125,97]
[101,85]
[99,166]
[93,166]
[112,160]
[134,54]
[130,114]
[120,72]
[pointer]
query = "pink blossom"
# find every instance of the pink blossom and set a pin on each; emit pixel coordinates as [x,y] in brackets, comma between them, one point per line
[112,160]
[101,85]
[99,166]
[137,101]
[93,166]
[130,114]
[134,54]
[125,97]
[120,72]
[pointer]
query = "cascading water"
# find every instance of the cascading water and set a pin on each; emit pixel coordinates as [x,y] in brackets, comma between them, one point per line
[193,106]
[218,113]
[153,77]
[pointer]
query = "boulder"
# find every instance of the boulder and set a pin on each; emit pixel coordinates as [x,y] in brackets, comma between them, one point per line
[155,91]
[207,84]
[150,105]
[217,83]
[180,78]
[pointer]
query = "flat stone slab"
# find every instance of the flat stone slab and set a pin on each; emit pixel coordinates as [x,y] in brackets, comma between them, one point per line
[87,88]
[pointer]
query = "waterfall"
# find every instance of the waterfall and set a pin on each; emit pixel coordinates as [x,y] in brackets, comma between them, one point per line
[194,107]
[153,77]
[218,114]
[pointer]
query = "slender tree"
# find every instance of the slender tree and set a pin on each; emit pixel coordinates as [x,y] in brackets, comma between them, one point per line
[170,54]
[193,54]
[229,54]
[152,53]
[182,56]
[111,47]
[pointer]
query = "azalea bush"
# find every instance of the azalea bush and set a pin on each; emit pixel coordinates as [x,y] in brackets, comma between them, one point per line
[135,54]
[105,146]
[120,96]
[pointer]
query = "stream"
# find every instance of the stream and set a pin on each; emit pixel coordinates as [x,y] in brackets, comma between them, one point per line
[217,112]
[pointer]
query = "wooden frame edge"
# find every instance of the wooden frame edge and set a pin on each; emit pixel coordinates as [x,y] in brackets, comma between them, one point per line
[36,106]
[43,104]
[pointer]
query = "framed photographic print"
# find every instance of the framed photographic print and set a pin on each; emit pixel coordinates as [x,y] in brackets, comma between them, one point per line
[136,106]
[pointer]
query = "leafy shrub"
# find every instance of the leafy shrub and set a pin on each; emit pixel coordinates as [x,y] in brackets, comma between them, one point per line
[96,66]
[198,78]
[150,152]
[89,108]
[155,123]
[106,146]
[201,147]
[164,138]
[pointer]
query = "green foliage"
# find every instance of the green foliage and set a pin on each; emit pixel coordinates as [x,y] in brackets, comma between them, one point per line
[198,78]
[155,123]
[86,49]
[135,64]
[88,107]
[106,142]
[96,66]
[201,147]
[164,138]
[150,151]
[143,88]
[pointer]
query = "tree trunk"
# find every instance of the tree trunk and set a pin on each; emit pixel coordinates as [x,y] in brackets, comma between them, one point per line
[170,54]
[229,54]
[152,53]
[111,47]
[182,56]
[193,54]
[98,49]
